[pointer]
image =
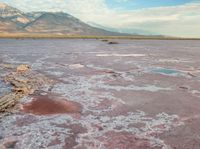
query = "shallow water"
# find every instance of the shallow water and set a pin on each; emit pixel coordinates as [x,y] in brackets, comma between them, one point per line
[103,95]
[165,71]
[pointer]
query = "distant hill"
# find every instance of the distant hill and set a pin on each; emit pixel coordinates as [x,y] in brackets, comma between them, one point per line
[13,20]
[132,31]
[63,23]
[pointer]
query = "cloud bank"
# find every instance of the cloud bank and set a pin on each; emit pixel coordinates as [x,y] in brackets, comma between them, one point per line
[182,20]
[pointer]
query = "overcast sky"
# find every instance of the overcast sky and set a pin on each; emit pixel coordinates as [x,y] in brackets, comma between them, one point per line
[168,17]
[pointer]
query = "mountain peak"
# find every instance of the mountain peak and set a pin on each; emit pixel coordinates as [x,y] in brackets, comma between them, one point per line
[45,23]
[13,14]
[3,5]
[6,10]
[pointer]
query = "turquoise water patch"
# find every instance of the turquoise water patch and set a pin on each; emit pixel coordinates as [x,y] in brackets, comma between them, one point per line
[165,71]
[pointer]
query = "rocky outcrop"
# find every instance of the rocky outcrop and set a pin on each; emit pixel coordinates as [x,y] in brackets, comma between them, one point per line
[24,82]
[22,68]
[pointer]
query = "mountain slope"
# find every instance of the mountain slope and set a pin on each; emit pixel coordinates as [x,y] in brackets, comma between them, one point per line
[13,14]
[63,23]
[14,20]
[34,15]
[132,31]
[7,26]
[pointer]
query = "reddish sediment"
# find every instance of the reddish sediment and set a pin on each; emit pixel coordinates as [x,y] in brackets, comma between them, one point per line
[46,105]
[124,140]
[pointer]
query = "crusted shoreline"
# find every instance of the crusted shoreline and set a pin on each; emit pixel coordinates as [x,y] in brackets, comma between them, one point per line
[23,82]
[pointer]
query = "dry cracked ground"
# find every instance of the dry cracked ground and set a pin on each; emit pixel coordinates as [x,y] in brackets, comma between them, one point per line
[92,94]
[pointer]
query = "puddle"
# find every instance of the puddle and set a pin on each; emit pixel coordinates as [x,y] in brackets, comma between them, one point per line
[165,71]
[47,105]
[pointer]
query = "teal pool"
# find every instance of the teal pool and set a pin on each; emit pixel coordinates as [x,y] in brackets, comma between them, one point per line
[165,71]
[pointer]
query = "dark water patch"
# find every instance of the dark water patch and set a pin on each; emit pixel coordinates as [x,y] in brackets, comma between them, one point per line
[47,105]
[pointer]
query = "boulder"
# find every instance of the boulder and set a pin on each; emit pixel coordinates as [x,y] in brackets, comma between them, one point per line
[22,68]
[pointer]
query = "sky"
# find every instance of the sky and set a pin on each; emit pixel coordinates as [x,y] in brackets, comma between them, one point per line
[167,17]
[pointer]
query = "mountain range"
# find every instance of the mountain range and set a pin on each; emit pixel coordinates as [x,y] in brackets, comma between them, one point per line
[131,30]
[13,20]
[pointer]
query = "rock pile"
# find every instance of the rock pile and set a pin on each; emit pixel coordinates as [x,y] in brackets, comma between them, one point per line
[24,82]
[112,42]
[22,68]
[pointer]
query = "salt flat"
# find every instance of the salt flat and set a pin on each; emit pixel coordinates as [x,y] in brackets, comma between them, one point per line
[137,94]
